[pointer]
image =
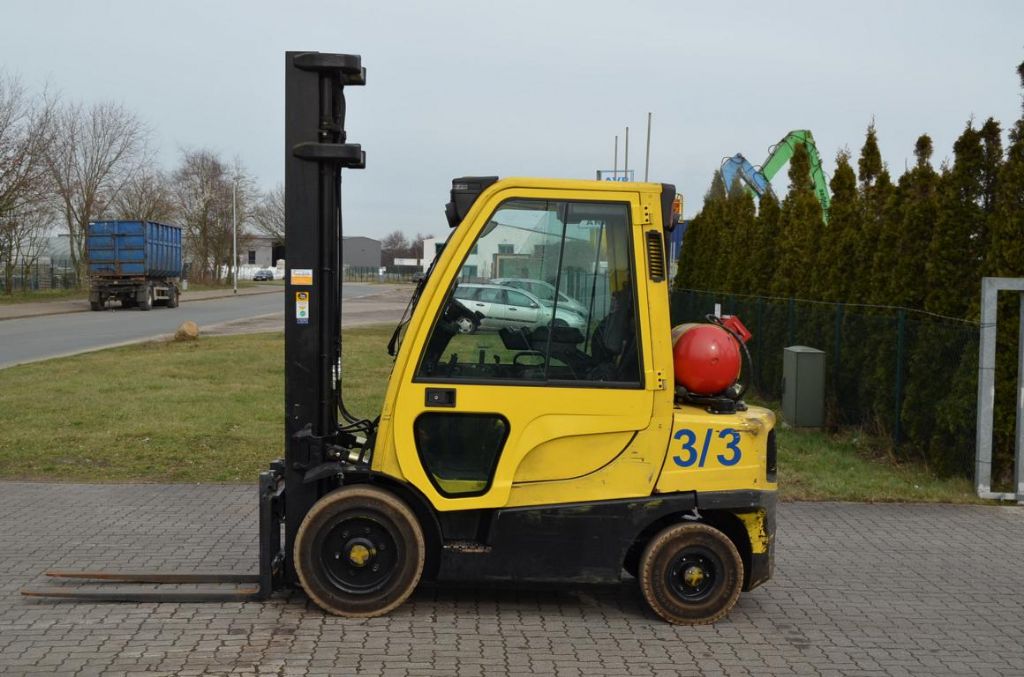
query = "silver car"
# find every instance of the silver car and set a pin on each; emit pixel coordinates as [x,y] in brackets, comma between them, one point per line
[503,306]
[545,291]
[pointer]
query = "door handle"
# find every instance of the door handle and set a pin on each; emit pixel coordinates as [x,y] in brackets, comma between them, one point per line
[440,397]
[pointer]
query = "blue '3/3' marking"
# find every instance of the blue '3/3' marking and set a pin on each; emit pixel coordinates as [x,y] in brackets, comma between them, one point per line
[690,457]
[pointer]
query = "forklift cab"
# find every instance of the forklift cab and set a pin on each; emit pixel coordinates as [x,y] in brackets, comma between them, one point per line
[491,411]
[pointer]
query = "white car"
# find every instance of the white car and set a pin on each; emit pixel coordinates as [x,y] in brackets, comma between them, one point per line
[503,306]
[545,291]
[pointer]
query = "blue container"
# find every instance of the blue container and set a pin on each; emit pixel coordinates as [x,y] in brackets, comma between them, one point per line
[133,249]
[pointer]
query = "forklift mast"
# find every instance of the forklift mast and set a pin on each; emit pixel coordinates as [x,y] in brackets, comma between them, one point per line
[316,150]
[315,445]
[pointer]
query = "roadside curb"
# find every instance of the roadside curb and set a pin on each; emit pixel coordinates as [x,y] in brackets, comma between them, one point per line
[228,294]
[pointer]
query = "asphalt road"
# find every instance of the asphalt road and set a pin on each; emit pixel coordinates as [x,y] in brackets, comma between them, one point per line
[36,338]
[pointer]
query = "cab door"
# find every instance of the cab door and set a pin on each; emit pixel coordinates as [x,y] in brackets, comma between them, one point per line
[520,309]
[477,414]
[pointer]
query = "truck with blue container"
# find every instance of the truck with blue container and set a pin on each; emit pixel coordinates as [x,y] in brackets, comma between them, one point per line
[135,262]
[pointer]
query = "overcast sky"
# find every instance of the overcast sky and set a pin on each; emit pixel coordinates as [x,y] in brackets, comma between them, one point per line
[532,88]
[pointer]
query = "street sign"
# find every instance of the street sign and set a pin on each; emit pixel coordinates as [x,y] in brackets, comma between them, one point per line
[615,175]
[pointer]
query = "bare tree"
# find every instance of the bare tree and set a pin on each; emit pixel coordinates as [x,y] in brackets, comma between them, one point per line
[23,236]
[95,152]
[25,131]
[268,214]
[147,196]
[394,245]
[416,246]
[203,185]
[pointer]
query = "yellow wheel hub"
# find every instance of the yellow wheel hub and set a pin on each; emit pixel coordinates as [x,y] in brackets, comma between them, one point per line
[693,576]
[359,554]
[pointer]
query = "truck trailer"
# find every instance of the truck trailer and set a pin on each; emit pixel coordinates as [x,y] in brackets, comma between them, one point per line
[135,262]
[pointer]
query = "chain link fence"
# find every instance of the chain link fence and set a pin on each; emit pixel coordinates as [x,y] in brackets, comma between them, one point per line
[906,375]
[44,274]
[390,274]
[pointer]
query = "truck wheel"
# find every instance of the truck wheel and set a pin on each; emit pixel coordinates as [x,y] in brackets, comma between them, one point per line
[172,298]
[359,552]
[146,302]
[95,305]
[691,574]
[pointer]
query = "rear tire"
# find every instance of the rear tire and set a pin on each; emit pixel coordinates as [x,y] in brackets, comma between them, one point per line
[146,303]
[359,552]
[691,574]
[172,298]
[95,305]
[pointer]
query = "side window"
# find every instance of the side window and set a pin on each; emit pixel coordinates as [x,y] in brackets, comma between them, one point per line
[491,295]
[519,299]
[553,300]
[460,451]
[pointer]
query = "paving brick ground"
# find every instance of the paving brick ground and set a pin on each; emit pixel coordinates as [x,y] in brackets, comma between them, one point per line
[859,590]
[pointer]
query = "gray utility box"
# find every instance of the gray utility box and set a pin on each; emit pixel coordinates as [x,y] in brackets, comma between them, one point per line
[803,387]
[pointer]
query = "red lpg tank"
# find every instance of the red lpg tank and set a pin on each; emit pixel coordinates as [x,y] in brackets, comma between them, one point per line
[706,357]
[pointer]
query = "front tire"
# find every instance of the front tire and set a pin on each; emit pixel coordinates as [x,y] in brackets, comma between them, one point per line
[691,574]
[359,552]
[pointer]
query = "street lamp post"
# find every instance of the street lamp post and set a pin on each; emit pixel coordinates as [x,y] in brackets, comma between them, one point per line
[234,233]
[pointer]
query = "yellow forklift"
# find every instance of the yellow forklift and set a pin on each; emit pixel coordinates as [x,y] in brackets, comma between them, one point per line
[532,429]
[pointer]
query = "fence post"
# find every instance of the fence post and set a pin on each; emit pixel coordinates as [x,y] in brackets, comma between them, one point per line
[837,349]
[791,321]
[901,330]
[760,345]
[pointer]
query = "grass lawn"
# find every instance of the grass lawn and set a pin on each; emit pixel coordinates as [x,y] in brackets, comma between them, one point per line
[42,295]
[211,411]
[208,411]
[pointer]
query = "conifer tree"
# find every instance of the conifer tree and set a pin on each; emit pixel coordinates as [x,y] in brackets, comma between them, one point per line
[916,223]
[1006,249]
[800,225]
[738,230]
[687,254]
[952,267]
[763,264]
[838,261]
[875,187]
[713,264]
[698,261]
[888,258]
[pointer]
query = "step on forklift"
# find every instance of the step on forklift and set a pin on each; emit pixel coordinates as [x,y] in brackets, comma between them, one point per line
[532,429]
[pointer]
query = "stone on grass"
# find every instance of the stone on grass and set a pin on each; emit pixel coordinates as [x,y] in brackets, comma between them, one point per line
[188,331]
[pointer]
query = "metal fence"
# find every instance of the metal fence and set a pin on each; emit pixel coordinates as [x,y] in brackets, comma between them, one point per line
[908,375]
[42,275]
[357,274]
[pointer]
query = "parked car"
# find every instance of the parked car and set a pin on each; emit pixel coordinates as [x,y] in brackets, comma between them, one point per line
[545,291]
[504,306]
[263,275]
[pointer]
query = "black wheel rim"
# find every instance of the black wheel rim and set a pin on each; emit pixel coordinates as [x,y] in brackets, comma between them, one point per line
[359,553]
[694,574]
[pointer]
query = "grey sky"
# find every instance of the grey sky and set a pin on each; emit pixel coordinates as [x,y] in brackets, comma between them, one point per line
[532,88]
